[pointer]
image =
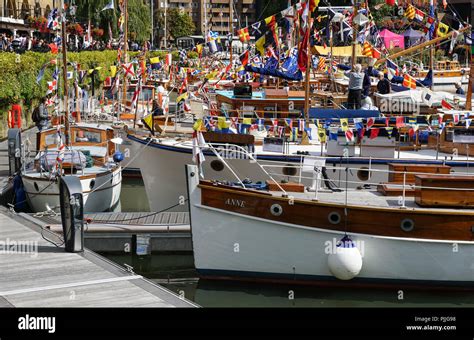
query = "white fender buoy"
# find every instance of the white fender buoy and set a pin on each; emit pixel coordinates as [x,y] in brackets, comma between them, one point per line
[346,262]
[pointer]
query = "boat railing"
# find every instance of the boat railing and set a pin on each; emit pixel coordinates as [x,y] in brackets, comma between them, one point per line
[246,153]
[276,172]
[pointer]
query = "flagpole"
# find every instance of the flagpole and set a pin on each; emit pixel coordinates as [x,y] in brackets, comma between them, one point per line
[66,89]
[231,26]
[432,49]
[470,85]
[125,50]
[354,42]
[308,66]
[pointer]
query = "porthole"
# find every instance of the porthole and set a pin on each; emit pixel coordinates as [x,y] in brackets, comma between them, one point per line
[217,165]
[92,184]
[363,174]
[36,186]
[276,210]
[407,225]
[334,218]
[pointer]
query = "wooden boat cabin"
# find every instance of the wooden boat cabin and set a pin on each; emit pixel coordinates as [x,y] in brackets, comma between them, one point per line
[266,103]
[83,137]
[457,139]
[147,95]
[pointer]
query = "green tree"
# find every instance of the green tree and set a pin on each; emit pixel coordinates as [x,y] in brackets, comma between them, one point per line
[139,21]
[92,10]
[178,24]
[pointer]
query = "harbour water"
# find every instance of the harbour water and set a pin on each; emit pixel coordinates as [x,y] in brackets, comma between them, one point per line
[176,272]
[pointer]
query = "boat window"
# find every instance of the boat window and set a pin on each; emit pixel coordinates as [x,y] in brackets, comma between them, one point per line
[87,137]
[407,225]
[50,139]
[363,174]
[463,136]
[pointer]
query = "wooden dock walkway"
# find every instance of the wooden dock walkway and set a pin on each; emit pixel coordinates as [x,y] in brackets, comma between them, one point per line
[36,273]
[109,232]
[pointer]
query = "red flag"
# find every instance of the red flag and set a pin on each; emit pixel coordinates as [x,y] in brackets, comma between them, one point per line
[400,122]
[390,2]
[411,132]
[54,48]
[303,52]
[446,105]
[374,133]
[409,81]
[370,122]
[244,35]
[349,135]
[244,58]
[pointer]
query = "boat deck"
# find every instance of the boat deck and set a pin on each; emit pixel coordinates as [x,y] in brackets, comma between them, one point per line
[363,198]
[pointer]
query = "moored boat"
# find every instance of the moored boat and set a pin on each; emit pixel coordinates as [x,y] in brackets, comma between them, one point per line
[350,238]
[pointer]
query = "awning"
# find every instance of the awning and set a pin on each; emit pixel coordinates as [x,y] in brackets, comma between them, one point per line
[340,51]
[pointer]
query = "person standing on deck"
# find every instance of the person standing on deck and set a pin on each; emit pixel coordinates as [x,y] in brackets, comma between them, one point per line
[41,116]
[356,80]
[383,86]
[459,89]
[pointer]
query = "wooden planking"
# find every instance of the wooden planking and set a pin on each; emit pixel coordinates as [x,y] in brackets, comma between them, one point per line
[430,191]
[50,277]
[137,218]
[397,169]
[365,219]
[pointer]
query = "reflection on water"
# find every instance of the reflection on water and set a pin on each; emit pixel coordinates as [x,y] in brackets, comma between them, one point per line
[176,272]
[133,196]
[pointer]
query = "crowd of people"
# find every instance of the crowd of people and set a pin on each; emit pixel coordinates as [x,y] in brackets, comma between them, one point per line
[23,42]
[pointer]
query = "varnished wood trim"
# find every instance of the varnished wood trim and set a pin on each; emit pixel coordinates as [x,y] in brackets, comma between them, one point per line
[429,224]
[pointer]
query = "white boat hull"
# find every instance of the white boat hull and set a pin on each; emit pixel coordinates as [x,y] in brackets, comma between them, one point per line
[231,245]
[162,168]
[45,194]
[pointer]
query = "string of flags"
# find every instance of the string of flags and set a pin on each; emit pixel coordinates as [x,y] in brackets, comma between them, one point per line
[329,129]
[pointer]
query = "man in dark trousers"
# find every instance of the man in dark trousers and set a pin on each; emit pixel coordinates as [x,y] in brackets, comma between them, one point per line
[40,115]
[356,79]
[383,86]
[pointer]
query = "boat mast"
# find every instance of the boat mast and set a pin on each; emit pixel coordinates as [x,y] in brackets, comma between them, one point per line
[66,89]
[354,37]
[231,26]
[125,50]
[470,85]
[308,66]
[432,57]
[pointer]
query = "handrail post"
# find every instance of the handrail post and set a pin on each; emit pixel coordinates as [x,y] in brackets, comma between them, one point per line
[404,184]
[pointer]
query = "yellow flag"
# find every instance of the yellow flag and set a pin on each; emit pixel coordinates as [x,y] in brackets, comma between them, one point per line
[321,134]
[247,121]
[154,60]
[197,125]
[148,122]
[199,49]
[94,69]
[222,123]
[260,45]
[212,75]
[442,29]
[184,96]
[344,124]
[113,70]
